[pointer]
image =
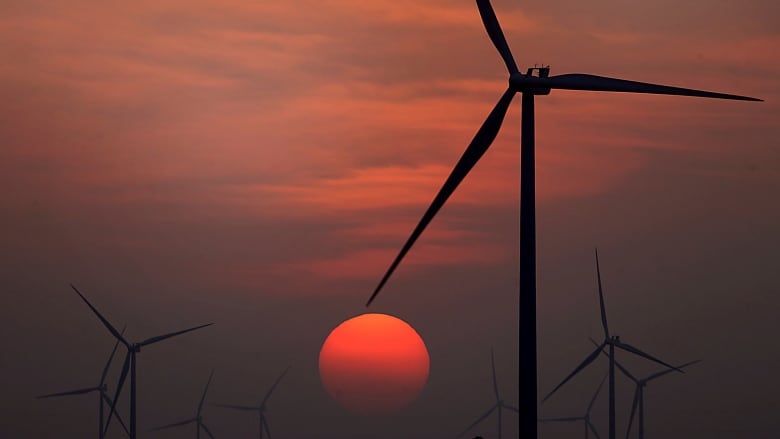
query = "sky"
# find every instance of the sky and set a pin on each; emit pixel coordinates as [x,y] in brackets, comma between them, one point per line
[258,165]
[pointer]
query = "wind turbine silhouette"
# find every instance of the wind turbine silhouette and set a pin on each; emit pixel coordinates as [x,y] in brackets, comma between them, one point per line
[500,405]
[529,86]
[613,341]
[102,390]
[129,365]
[261,408]
[588,425]
[198,419]
[639,393]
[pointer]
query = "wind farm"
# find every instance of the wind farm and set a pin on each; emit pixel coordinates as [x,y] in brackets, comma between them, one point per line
[259,165]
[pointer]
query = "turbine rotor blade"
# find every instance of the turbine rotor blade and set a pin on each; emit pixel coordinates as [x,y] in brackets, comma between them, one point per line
[593,429]
[118,418]
[175,424]
[581,81]
[238,407]
[495,382]
[267,429]
[208,432]
[493,28]
[203,398]
[152,340]
[592,400]
[69,392]
[513,408]
[633,411]
[601,299]
[589,359]
[108,325]
[664,372]
[110,358]
[480,419]
[119,385]
[633,350]
[479,144]
[619,366]
[276,383]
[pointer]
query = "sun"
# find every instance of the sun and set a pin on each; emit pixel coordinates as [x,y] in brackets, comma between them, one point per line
[374,364]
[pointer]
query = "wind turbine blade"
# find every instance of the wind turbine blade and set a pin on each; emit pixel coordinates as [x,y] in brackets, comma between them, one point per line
[480,419]
[118,418]
[589,359]
[581,81]
[69,392]
[601,299]
[495,383]
[120,383]
[633,350]
[593,400]
[208,432]
[593,429]
[203,398]
[267,429]
[570,419]
[664,372]
[175,424]
[276,383]
[493,29]
[619,366]
[238,407]
[481,142]
[110,358]
[633,411]
[511,407]
[149,341]
[108,325]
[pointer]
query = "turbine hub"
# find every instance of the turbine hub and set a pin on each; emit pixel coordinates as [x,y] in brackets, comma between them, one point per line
[528,83]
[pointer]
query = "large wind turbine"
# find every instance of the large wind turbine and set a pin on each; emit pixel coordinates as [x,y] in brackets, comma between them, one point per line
[529,86]
[639,394]
[129,365]
[613,341]
[260,408]
[102,390]
[198,419]
[500,404]
[587,424]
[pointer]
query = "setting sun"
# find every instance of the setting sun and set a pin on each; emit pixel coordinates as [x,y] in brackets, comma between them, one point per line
[374,364]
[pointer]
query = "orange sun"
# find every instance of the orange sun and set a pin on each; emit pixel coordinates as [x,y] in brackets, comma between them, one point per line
[374,364]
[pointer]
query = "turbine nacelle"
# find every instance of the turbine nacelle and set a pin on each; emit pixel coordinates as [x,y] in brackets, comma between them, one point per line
[528,83]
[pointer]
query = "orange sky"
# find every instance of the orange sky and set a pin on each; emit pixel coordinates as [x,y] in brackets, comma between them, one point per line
[286,149]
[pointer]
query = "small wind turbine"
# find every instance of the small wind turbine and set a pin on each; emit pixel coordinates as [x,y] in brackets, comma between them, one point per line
[102,390]
[198,419]
[529,86]
[129,365]
[261,408]
[613,342]
[500,404]
[639,393]
[587,424]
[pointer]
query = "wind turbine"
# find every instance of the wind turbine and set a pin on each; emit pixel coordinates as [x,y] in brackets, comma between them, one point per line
[500,405]
[102,390]
[613,341]
[639,394]
[129,365]
[588,425]
[529,86]
[198,419]
[261,408]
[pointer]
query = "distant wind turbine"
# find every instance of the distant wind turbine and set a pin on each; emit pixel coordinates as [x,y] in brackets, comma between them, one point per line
[587,424]
[260,409]
[613,341]
[102,390]
[529,86]
[198,419]
[129,365]
[639,393]
[500,404]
